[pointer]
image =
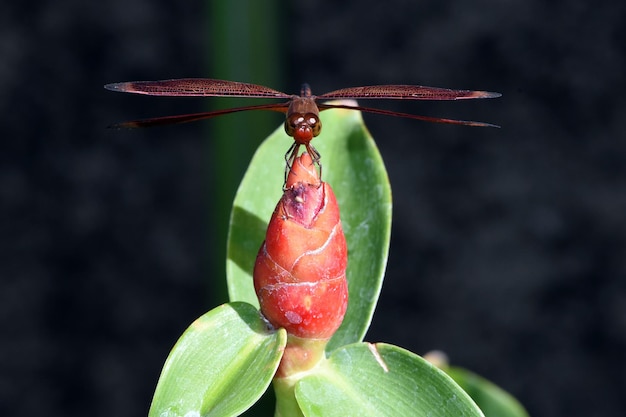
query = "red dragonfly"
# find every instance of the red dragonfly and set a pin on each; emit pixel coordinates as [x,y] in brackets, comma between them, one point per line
[302,112]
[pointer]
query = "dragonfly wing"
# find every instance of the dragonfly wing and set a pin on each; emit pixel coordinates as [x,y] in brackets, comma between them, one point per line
[406,92]
[325,106]
[185,118]
[198,87]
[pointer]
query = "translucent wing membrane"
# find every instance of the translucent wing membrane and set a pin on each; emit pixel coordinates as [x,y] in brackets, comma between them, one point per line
[196,87]
[186,118]
[406,92]
[407,115]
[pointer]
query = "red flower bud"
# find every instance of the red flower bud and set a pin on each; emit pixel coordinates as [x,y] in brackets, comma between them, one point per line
[300,271]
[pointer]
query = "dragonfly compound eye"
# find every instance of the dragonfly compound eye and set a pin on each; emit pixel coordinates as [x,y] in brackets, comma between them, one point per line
[293,123]
[314,122]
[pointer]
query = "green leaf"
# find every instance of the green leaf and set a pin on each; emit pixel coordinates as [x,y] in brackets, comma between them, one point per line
[352,165]
[493,400]
[220,366]
[381,380]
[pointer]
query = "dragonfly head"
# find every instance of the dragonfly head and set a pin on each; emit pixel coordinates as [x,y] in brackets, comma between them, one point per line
[303,121]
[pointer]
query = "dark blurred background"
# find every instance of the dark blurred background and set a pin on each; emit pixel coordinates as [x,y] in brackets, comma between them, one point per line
[508,246]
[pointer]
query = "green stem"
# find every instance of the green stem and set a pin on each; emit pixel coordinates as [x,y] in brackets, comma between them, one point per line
[244,45]
[286,404]
[300,357]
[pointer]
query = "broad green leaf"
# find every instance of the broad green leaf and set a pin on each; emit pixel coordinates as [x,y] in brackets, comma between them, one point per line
[493,400]
[220,366]
[352,165]
[381,380]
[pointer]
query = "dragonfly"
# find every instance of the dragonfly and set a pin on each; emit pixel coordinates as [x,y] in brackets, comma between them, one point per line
[302,121]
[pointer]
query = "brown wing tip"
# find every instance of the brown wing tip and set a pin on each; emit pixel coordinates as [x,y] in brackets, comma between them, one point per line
[482,124]
[126,87]
[124,125]
[117,87]
[481,94]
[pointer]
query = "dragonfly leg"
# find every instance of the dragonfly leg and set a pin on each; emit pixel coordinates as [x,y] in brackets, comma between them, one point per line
[315,156]
[290,157]
[292,154]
